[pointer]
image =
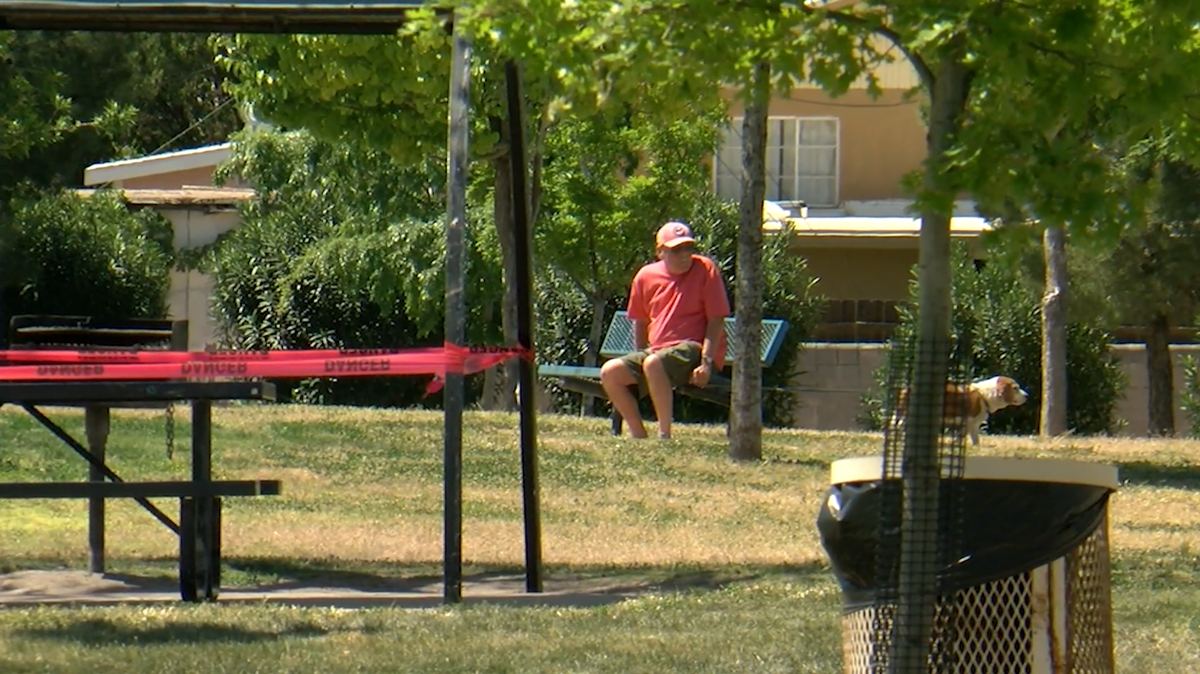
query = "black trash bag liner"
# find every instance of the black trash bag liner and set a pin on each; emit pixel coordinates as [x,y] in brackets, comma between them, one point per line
[1009,528]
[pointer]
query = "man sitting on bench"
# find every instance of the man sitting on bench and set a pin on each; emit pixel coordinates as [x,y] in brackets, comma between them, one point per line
[678,307]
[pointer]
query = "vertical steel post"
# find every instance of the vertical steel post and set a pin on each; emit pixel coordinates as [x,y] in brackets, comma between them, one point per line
[96,425]
[456,224]
[524,283]
[206,507]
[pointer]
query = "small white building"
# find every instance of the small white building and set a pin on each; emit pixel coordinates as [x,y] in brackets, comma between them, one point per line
[179,185]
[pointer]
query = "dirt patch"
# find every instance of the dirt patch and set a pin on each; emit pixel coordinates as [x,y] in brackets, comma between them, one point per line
[55,584]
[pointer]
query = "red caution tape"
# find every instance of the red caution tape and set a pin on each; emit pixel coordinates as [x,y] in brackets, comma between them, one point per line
[118,356]
[144,365]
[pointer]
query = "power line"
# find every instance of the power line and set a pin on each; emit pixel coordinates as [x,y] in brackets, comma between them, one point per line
[195,124]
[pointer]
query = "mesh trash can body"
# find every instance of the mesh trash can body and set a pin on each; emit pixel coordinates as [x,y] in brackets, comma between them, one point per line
[1032,589]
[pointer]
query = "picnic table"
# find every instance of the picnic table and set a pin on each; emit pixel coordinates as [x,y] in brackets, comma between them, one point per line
[199,524]
[618,341]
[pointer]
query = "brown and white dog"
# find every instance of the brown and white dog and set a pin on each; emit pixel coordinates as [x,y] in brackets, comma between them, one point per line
[971,404]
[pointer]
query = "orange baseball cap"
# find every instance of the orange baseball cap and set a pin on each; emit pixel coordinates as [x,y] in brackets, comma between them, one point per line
[674,234]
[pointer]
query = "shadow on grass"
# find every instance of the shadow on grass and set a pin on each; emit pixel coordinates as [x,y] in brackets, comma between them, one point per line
[803,462]
[107,632]
[713,579]
[427,576]
[280,573]
[355,584]
[1159,475]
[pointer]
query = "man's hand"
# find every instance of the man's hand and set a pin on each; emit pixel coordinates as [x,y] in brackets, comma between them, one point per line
[702,373]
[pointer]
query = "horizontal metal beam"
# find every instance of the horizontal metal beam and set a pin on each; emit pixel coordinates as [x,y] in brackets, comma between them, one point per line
[178,489]
[245,16]
[75,393]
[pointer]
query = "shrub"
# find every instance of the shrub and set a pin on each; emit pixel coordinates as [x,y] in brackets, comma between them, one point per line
[249,265]
[999,313]
[1190,396]
[345,249]
[64,254]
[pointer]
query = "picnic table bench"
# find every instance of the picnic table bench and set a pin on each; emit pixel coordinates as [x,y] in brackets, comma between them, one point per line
[199,525]
[618,341]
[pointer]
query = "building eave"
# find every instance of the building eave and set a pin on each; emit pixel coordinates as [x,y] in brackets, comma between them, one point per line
[157,164]
[205,198]
[868,231]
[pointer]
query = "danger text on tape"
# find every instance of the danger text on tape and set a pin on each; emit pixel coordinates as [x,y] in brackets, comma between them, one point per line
[57,365]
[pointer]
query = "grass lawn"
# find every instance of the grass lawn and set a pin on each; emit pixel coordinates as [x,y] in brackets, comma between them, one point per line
[724,559]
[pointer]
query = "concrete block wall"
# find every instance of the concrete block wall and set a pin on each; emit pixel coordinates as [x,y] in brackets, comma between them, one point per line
[832,377]
[1133,409]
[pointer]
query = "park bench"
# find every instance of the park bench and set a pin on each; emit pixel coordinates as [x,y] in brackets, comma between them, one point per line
[199,525]
[618,341]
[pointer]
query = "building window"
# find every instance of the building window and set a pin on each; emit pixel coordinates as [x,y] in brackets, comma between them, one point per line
[802,161]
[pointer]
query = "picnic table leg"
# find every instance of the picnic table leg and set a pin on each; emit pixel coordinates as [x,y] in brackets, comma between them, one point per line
[200,540]
[199,548]
[187,549]
[96,424]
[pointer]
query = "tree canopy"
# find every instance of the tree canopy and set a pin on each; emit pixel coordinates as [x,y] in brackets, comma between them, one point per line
[69,99]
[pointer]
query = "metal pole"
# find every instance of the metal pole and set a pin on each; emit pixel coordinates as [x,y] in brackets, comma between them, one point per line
[207,508]
[524,284]
[96,426]
[456,224]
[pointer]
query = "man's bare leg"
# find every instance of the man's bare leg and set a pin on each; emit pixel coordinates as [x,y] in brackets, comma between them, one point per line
[616,378]
[660,393]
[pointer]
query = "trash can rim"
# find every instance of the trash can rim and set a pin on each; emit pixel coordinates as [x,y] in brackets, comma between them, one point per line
[1057,471]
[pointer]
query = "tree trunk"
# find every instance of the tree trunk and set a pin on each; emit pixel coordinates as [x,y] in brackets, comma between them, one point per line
[1054,334]
[537,159]
[592,357]
[491,376]
[745,421]
[921,472]
[503,397]
[1160,375]
[502,394]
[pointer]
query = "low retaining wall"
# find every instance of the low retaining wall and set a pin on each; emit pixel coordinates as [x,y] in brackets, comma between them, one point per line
[833,377]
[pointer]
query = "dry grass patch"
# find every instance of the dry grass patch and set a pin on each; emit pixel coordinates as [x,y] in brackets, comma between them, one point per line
[366,484]
[727,555]
[294,536]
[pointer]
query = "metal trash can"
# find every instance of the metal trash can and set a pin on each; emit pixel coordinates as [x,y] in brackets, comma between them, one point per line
[1033,581]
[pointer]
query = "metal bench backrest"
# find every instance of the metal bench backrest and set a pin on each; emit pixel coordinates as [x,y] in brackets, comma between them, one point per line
[618,341]
[86,333]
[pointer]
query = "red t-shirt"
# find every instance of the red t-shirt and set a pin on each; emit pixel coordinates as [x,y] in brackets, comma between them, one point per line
[678,307]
